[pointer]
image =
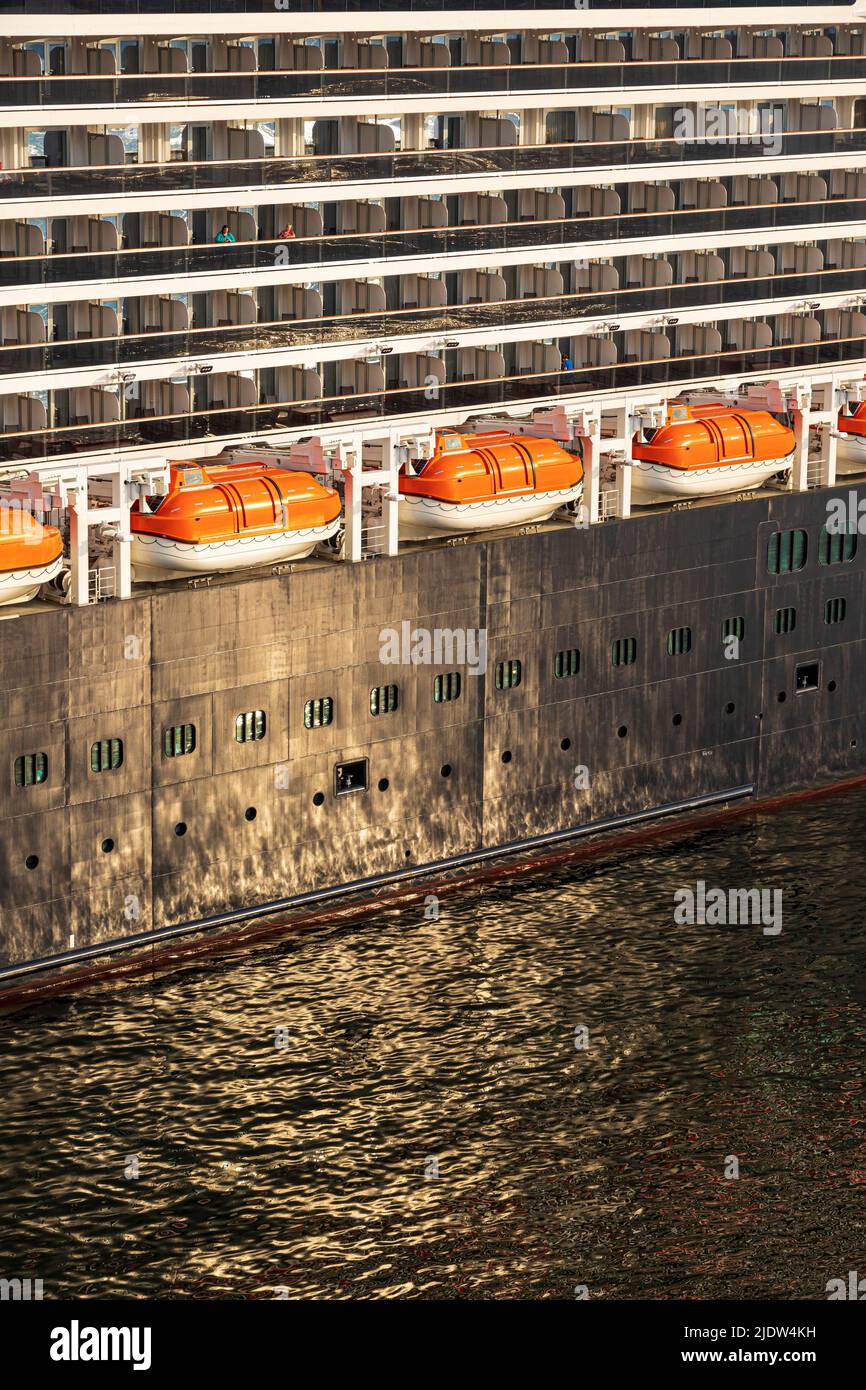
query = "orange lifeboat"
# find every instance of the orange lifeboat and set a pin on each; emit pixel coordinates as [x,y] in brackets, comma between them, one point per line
[30,554]
[851,432]
[704,450]
[476,482]
[228,517]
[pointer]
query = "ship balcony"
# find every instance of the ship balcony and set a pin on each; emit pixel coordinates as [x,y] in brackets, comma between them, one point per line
[70,190]
[237,406]
[145,246]
[352,321]
[154,95]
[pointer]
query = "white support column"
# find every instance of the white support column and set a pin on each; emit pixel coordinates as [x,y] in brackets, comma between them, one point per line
[589,438]
[392,496]
[79,554]
[121,546]
[623,490]
[350,459]
[800,469]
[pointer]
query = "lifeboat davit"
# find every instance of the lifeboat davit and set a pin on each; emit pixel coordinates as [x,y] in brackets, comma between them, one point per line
[477,482]
[228,517]
[704,450]
[30,554]
[851,448]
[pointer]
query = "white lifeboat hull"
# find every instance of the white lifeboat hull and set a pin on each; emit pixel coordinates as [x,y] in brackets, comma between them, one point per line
[657,482]
[156,557]
[19,586]
[851,453]
[425,518]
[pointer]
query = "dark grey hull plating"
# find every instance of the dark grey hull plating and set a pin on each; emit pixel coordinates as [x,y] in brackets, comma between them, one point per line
[666,732]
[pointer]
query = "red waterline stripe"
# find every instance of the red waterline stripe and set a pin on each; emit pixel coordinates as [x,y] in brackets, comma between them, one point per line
[160,960]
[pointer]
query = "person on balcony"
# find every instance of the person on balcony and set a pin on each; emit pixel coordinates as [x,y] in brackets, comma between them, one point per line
[287,234]
[225,235]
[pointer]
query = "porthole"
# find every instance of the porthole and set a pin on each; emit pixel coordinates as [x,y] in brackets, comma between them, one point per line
[32,861]
[831,686]
[853,743]
[383,784]
[107,846]
[250,813]
[730,707]
[565,745]
[677,720]
[319,798]
[180,828]
[782,696]
[506,756]
[445,769]
[622,731]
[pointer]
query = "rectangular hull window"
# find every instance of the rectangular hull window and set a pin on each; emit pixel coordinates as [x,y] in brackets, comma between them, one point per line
[350,777]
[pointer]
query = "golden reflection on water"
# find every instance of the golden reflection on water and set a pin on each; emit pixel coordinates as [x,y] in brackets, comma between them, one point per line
[428,1127]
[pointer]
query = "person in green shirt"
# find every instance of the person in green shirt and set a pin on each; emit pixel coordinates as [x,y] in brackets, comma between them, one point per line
[225,235]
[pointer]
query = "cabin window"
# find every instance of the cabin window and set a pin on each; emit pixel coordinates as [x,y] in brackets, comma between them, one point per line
[679,641]
[834,610]
[786,551]
[178,740]
[31,769]
[383,699]
[508,674]
[624,651]
[733,627]
[447,687]
[251,726]
[566,663]
[318,712]
[785,620]
[837,548]
[106,755]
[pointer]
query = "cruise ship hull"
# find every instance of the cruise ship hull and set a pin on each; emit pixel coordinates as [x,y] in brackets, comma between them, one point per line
[95,863]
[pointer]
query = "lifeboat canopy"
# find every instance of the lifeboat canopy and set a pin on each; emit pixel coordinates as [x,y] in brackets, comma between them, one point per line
[707,436]
[467,468]
[855,423]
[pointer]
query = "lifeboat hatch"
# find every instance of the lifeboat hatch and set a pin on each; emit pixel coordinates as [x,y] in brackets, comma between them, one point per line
[351,777]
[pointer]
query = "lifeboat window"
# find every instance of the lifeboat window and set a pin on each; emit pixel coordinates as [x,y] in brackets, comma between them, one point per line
[679,641]
[786,551]
[447,687]
[837,548]
[318,712]
[566,663]
[106,755]
[733,627]
[31,769]
[624,651]
[785,620]
[834,610]
[508,674]
[383,699]
[178,740]
[251,726]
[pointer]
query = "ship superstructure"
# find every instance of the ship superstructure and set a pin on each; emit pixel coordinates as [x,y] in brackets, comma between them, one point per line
[326,240]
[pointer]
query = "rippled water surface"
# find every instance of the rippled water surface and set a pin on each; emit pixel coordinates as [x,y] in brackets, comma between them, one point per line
[430,1128]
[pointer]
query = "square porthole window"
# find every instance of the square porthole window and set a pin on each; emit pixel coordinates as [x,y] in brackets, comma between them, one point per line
[808,677]
[350,777]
